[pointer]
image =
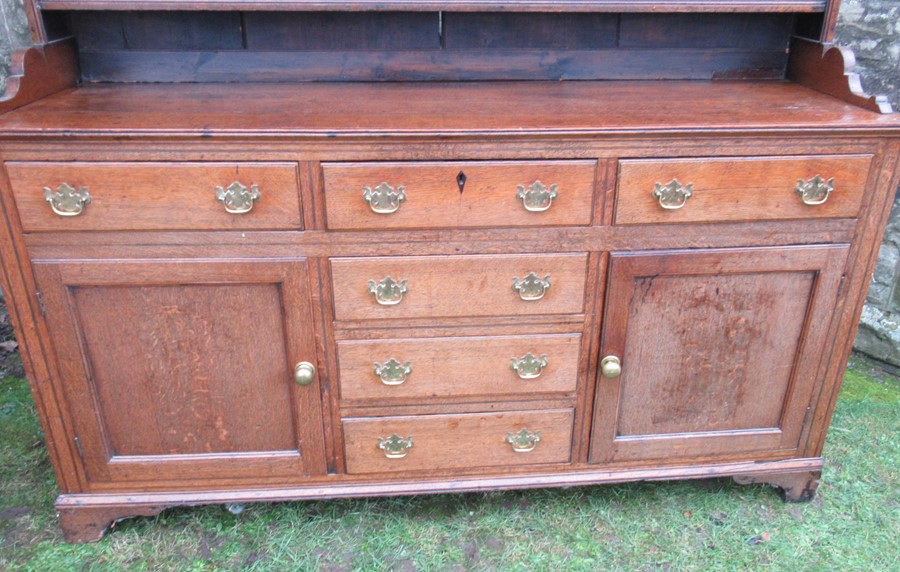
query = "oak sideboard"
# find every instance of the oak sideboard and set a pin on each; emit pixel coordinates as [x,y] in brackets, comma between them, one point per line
[302,249]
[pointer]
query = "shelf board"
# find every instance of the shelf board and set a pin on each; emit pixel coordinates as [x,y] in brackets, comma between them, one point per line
[449,5]
[451,109]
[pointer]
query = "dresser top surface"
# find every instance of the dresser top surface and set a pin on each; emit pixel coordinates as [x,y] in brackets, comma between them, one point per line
[453,109]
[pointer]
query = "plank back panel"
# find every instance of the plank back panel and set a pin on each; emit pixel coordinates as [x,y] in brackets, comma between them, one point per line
[322,31]
[543,31]
[263,46]
[748,32]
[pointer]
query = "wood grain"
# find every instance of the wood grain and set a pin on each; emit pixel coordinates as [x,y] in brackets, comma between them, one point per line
[718,348]
[325,65]
[458,286]
[832,69]
[144,196]
[183,370]
[36,72]
[732,356]
[457,441]
[319,31]
[569,31]
[740,188]
[458,367]
[434,200]
[476,108]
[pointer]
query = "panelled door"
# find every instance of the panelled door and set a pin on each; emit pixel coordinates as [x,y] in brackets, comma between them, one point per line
[712,353]
[182,369]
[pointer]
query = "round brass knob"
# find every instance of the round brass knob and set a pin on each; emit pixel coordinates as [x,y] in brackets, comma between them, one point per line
[304,372]
[611,367]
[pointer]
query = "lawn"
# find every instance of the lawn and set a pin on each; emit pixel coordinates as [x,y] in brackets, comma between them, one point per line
[698,525]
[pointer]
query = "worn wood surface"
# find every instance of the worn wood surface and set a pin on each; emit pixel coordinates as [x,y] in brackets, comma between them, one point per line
[711,385]
[832,69]
[403,109]
[740,188]
[458,286]
[864,251]
[457,441]
[421,66]
[184,370]
[794,487]
[458,367]
[147,196]
[436,199]
[39,71]
[718,350]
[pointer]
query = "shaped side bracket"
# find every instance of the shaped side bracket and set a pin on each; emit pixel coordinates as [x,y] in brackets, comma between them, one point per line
[831,69]
[38,72]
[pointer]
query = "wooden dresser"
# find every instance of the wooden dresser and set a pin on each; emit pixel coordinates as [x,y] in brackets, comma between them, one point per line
[304,249]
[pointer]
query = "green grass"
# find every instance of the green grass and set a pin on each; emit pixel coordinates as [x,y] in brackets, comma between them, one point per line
[693,525]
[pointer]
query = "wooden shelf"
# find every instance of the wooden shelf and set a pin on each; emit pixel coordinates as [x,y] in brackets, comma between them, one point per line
[440,108]
[445,5]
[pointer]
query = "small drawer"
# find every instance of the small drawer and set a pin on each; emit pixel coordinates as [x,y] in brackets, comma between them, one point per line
[155,196]
[740,188]
[435,442]
[458,286]
[414,369]
[458,194]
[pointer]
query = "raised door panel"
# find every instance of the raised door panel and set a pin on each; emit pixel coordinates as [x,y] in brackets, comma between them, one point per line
[181,369]
[719,351]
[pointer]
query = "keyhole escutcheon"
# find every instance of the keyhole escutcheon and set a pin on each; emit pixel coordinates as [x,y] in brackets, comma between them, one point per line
[461,181]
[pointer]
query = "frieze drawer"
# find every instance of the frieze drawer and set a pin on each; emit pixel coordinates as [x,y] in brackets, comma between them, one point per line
[458,286]
[458,194]
[740,188]
[464,441]
[155,196]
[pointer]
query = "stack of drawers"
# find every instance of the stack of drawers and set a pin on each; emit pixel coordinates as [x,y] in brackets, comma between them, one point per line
[459,300]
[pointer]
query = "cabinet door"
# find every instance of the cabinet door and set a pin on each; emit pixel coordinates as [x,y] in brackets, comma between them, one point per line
[719,351]
[180,370]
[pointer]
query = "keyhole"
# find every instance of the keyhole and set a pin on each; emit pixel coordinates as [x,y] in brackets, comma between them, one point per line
[461,181]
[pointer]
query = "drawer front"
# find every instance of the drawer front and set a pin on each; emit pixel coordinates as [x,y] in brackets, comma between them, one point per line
[158,196]
[457,286]
[739,188]
[416,369]
[458,194]
[457,441]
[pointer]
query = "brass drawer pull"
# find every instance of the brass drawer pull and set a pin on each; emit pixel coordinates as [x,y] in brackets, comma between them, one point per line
[395,446]
[392,372]
[304,373]
[388,291]
[66,200]
[536,198]
[532,287]
[523,441]
[384,200]
[815,191]
[529,366]
[611,367]
[237,198]
[673,195]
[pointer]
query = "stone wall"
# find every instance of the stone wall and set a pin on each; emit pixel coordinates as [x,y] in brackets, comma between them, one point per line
[870,27]
[14,34]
